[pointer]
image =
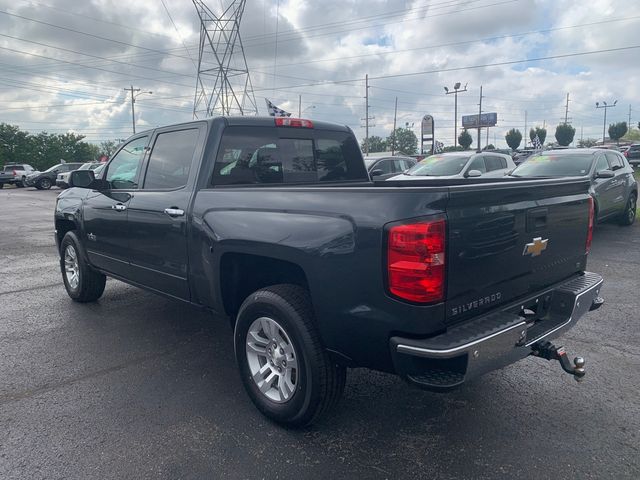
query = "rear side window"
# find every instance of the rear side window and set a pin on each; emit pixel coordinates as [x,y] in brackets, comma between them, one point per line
[602,164]
[258,155]
[477,164]
[170,159]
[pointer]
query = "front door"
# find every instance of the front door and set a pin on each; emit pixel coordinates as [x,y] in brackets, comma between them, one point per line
[158,211]
[605,188]
[105,211]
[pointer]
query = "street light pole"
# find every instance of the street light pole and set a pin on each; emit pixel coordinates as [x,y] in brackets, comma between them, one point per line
[133,102]
[456,90]
[604,123]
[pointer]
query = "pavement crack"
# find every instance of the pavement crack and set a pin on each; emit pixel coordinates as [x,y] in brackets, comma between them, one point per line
[29,289]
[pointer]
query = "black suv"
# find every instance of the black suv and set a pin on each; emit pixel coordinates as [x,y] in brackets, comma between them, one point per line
[633,154]
[44,180]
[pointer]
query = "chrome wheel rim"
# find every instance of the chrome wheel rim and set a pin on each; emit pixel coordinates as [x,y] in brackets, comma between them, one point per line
[71,268]
[272,360]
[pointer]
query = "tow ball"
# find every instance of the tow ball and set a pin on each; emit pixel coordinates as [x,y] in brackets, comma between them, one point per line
[549,351]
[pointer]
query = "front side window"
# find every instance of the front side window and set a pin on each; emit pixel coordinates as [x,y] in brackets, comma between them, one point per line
[478,164]
[614,160]
[495,163]
[122,171]
[170,159]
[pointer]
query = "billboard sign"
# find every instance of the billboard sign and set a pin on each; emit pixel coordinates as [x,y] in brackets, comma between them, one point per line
[486,120]
[426,132]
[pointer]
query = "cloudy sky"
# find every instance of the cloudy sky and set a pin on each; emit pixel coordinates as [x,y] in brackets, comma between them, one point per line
[64,64]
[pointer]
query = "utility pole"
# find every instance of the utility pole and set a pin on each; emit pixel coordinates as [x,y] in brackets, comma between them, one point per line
[133,102]
[526,134]
[479,114]
[366,115]
[604,124]
[395,117]
[566,110]
[581,138]
[629,123]
[456,90]
[299,106]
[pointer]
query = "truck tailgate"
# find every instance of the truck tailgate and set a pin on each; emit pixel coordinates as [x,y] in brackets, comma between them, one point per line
[507,239]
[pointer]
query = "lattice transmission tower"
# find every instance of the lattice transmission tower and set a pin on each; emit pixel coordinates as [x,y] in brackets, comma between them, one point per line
[224,85]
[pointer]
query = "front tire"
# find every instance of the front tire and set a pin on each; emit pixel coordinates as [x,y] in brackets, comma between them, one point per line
[285,369]
[44,184]
[83,284]
[629,215]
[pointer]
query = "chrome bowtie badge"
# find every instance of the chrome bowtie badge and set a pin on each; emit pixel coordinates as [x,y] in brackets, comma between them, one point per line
[536,247]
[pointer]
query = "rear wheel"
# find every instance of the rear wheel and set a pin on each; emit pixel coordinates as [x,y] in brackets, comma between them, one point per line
[83,284]
[44,184]
[284,367]
[22,183]
[629,214]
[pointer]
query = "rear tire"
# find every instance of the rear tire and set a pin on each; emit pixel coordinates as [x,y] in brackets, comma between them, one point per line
[22,183]
[44,184]
[297,382]
[629,215]
[83,284]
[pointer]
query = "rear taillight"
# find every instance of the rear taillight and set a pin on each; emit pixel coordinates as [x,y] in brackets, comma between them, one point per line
[626,153]
[590,230]
[416,261]
[15,174]
[293,122]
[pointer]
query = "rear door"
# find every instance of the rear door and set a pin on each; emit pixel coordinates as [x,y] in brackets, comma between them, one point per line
[158,212]
[604,188]
[496,165]
[105,211]
[509,239]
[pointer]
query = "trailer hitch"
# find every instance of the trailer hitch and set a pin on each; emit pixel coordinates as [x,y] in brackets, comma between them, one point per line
[549,351]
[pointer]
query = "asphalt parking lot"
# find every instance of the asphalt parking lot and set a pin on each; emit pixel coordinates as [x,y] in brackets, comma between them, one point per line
[136,386]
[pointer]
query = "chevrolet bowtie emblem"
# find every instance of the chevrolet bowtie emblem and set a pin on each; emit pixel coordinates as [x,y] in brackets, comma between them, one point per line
[536,247]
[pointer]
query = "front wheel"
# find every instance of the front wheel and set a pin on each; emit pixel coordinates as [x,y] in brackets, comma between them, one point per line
[629,214]
[284,367]
[44,184]
[83,284]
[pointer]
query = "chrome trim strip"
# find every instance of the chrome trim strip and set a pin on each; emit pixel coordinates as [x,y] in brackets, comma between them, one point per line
[419,350]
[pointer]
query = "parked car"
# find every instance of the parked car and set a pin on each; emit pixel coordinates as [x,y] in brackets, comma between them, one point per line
[15,174]
[612,183]
[454,165]
[520,156]
[275,225]
[62,180]
[384,167]
[633,154]
[44,180]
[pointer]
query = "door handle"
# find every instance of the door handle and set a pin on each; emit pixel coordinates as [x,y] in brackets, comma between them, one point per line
[119,207]
[174,212]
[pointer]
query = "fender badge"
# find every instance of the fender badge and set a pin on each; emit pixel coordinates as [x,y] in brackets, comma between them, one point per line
[536,247]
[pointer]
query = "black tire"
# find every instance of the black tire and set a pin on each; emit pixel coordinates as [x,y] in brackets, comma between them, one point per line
[629,215]
[90,284]
[320,381]
[21,183]
[1,186]
[44,184]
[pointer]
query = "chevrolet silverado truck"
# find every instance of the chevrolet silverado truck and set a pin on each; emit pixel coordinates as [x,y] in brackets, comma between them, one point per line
[275,225]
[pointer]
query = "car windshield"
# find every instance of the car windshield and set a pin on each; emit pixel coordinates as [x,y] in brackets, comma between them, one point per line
[51,169]
[439,165]
[555,165]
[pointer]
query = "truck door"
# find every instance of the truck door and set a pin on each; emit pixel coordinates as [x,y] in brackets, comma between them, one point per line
[105,211]
[159,210]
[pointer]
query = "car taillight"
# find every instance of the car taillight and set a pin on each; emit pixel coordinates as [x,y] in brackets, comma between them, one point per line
[293,122]
[15,174]
[626,153]
[416,261]
[590,230]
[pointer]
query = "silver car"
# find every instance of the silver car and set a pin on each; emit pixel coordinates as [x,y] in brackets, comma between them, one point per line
[456,165]
[613,187]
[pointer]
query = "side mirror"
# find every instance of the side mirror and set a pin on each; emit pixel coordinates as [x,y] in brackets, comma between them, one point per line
[605,174]
[376,173]
[473,173]
[81,178]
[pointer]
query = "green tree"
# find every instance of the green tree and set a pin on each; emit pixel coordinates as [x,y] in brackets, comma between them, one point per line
[587,142]
[465,140]
[405,141]
[376,144]
[513,138]
[13,143]
[108,147]
[617,131]
[633,135]
[565,134]
[541,132]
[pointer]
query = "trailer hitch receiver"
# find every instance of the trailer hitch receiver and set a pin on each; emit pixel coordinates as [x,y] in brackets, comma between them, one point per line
[549,351]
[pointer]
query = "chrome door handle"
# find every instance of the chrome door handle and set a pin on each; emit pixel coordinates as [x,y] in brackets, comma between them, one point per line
[174,212]
[119,207]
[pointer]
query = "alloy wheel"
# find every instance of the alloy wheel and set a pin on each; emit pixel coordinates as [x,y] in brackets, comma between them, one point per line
[71,267]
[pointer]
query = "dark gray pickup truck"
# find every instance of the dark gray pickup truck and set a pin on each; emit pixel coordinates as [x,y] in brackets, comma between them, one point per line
[275,224]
